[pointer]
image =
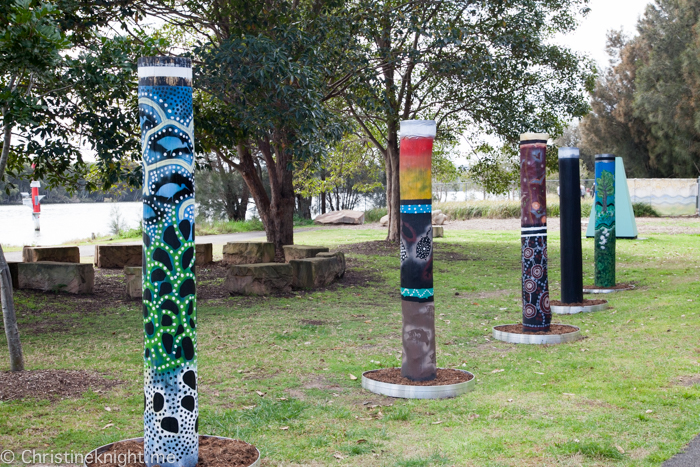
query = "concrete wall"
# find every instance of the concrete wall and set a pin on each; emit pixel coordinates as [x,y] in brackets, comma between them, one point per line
[669,196]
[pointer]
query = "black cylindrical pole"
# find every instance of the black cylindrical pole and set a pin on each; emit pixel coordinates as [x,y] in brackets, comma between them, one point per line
[570,226]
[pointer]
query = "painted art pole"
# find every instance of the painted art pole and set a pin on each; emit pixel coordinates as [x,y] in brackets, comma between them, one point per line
[36,204]
[418,335]
[604,220]
[537,314]
[570,226]
[169,295]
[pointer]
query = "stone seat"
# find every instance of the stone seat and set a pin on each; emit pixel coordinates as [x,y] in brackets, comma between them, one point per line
[302,251]
[118,256]
[249,252]
[259,279]
[438,231]
[134,285]
[311,273]
[204,254]
[56,277]
[59,254]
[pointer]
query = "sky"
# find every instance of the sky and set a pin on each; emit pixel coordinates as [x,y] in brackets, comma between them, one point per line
[605,15]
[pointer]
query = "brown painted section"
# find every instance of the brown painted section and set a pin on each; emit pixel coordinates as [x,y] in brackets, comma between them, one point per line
[419,362]
[533,184]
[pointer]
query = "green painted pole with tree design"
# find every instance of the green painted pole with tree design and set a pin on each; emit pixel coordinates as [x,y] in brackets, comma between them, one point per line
[605,220]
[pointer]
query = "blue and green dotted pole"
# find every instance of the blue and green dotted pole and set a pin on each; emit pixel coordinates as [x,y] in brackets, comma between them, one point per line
[169,295]
[605,220]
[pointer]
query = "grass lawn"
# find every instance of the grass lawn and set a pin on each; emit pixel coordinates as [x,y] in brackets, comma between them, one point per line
[625,395]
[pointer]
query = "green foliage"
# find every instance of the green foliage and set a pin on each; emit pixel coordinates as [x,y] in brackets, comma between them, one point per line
[605,190]
[375,214]
[644,210]
[645,107]
[217,227]
[499,209]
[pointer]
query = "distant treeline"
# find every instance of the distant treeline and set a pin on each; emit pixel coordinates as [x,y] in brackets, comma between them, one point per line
[10,193]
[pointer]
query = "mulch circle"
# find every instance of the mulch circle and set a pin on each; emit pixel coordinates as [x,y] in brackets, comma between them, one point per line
[622,286]
[51,384]
[445,376]
[554,329]
[585,302]
[213,452]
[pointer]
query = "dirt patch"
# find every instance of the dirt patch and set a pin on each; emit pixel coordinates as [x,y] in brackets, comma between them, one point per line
[621,286]
[444,377]
[319,382]
[482,295]
[51,384]
[585,302]
[687,381]
[313,322]
[213,452]
[554,329]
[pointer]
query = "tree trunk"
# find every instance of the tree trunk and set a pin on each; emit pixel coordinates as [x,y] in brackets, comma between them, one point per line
[393,186]
[283,200]
[243,205]
[323,193]
[254,183]
[8,304]
[304,207]
[8,315]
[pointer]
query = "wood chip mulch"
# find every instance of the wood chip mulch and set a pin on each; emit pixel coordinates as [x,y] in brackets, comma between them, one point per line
[444,377]
[554,329]
[213,452]
[51,384]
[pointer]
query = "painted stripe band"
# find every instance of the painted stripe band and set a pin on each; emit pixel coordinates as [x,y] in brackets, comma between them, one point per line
[568,153]
[418,293]
[170,71]
[533,235]
[416,209]
[605,157]
[534,141]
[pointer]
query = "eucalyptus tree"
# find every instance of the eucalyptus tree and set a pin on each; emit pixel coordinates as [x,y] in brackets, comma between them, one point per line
[486,65]
[262,74]
[64,86]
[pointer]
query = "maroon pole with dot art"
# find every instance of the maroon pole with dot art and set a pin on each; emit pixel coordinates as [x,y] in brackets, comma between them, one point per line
[537,314]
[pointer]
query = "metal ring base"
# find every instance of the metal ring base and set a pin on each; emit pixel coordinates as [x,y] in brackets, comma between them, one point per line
[102,449]
[597,291]
[540,339]
[571,310]
[419,392]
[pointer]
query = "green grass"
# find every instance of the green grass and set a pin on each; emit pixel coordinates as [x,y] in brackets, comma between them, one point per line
[226,227]
[572,404]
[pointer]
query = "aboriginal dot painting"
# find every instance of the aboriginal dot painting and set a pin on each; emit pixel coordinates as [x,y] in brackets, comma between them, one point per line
[604,249]
[537,314]
[169,293]
[416,250]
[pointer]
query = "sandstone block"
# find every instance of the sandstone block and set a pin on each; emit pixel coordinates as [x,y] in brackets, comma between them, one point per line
[341,260]
[204,254]
[341,217]
[302,251]
[59,254]
[317,272]
[438,231]
[259,279]
[249,252]
[134,285]
[56,277]
[384,221]
[438,217]
[118,256]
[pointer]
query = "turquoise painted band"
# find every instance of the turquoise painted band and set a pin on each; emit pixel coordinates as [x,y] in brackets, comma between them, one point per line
[416,209]
[418,293]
